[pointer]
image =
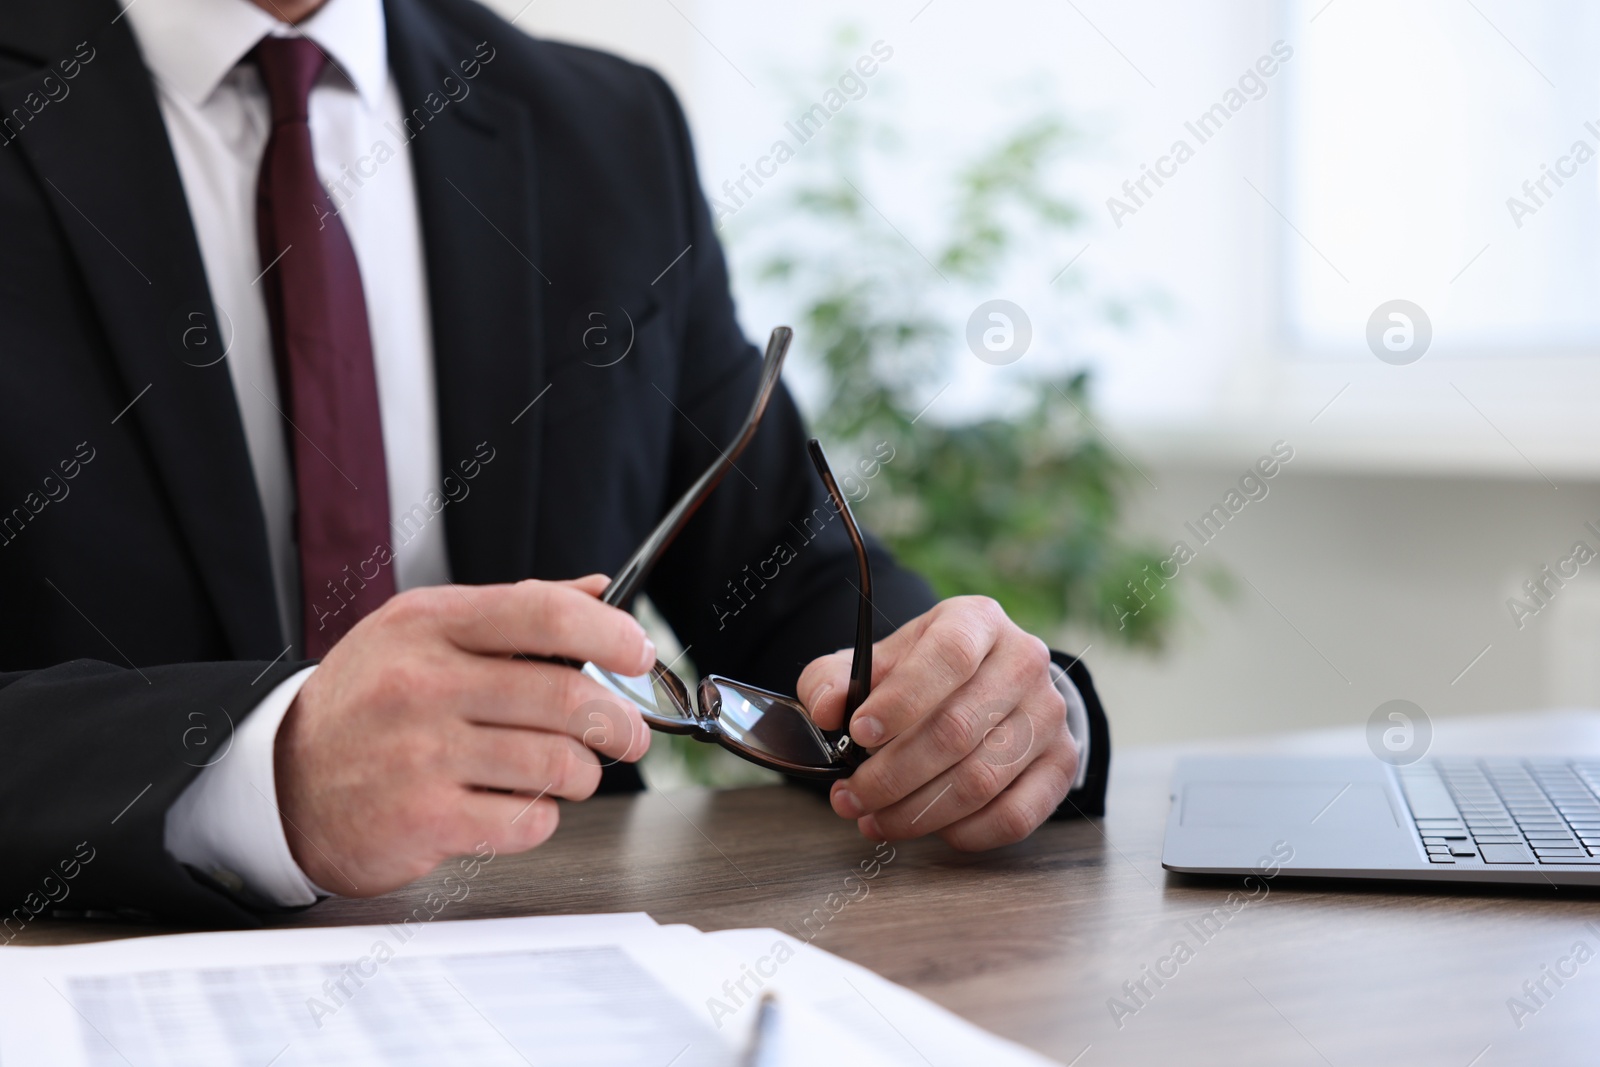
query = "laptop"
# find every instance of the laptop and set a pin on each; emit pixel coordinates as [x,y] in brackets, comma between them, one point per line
[1488,820]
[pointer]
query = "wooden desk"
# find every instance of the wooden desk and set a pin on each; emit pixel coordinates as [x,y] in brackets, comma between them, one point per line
[1032,941]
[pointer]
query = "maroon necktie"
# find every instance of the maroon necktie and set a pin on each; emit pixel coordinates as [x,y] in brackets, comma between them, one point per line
[324,360]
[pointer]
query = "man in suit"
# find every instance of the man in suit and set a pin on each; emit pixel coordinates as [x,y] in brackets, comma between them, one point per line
[298,448]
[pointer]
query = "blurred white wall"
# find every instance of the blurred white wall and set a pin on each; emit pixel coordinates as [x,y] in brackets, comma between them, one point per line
[1388,587]
[651,33]
[1421,496]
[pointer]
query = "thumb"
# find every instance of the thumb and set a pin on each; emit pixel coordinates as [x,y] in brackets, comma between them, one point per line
[823,683]
[826,679]
[593,584]
[822,688]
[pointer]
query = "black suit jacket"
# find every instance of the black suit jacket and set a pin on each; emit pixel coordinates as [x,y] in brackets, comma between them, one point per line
[139,620]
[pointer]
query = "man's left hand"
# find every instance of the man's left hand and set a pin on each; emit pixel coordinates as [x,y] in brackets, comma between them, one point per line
[968,731]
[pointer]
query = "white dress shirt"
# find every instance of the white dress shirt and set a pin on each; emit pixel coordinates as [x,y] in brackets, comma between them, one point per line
[217,117]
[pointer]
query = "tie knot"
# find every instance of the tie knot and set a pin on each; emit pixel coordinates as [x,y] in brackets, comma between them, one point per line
[289,67]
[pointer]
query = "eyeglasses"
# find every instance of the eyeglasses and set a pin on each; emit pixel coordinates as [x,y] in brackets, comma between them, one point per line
[764,727]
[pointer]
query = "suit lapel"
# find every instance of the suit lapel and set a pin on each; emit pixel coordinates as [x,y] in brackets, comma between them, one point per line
[104,164]
[473,160]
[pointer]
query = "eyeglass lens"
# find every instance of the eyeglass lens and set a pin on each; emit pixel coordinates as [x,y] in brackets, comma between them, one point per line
[661,698]
[767,723]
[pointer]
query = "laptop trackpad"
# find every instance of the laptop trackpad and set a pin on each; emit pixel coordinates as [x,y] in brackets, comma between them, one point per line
[1329,805]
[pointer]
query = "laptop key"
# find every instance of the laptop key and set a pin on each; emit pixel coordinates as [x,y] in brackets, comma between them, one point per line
[1506,854]
[1436,858]
[1429,801]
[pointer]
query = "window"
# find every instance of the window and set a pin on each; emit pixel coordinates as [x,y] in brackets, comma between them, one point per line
[1446,153]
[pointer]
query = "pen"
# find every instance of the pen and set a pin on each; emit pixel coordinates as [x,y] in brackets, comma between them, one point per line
[763,1048]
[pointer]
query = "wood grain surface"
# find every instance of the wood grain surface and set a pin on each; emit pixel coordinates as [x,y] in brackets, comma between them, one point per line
[1035,941]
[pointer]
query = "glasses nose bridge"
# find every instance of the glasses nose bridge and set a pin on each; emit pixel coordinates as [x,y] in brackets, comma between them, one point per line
[708,705]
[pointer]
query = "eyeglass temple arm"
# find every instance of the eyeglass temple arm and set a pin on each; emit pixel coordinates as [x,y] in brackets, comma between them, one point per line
[633,573]
[861,665]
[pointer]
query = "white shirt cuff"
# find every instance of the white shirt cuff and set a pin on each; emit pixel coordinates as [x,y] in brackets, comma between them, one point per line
[1077,721]
[227,823]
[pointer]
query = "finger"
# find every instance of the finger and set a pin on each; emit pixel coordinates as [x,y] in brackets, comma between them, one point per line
[948,733]
[527,761]
[1016,812]
[507,823]
[540,619]
[822,685]
[958,791]
[555,699]
[949,651]
[826,679]
[824,682]
[593,584]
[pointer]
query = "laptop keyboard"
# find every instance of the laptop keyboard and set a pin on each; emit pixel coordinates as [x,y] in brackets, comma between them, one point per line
[1506,811]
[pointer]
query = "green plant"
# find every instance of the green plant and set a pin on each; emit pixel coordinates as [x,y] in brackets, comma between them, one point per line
[1024,504]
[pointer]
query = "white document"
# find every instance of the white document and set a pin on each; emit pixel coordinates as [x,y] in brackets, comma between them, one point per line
[889,1018]
[596,991]
[555,990]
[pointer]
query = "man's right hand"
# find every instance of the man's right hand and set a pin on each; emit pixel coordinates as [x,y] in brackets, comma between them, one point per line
[397,753]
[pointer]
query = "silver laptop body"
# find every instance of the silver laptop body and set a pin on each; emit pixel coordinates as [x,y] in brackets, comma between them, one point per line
[1496,819]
